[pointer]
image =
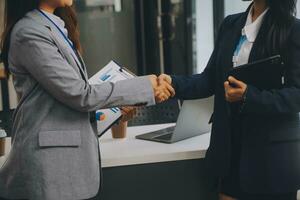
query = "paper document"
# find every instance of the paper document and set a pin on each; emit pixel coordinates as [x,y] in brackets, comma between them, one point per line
[112,72]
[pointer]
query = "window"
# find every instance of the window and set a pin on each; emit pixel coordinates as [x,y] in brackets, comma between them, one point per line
[204,33]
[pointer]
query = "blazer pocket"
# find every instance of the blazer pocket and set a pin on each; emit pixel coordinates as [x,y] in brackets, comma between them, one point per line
[63,138]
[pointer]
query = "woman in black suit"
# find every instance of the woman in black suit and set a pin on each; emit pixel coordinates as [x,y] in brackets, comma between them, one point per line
[255,138]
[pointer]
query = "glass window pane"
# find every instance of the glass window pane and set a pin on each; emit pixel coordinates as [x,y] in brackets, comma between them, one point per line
[298,9]
[204,33]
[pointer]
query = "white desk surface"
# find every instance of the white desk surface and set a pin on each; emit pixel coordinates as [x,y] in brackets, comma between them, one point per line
[130,151]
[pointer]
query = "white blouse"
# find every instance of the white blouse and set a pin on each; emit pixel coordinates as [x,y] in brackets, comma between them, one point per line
[249,34]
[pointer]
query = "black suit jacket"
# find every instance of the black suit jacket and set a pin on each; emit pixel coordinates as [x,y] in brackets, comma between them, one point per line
[270,155]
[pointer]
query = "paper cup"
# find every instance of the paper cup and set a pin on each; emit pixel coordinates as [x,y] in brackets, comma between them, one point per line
[2,146]
[2,142]
[119,131]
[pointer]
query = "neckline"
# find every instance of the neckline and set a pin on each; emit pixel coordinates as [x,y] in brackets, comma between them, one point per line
[252,28]
[55,18]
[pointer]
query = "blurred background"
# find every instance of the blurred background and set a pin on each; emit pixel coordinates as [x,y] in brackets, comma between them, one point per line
[146,36]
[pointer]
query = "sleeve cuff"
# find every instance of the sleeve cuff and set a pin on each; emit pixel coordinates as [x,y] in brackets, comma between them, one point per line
[175,83]
[248,99]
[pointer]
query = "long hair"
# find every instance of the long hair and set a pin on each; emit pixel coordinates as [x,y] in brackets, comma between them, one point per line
[279,22]
[17,9]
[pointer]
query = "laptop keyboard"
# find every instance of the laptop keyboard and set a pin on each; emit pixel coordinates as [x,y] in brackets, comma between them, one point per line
[165,137]
[165,134]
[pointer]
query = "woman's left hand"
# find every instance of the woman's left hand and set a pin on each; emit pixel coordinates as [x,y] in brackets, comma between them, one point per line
[128,113]
[234,90]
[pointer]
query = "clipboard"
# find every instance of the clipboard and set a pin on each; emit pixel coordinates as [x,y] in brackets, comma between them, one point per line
[112,72]
[267,73]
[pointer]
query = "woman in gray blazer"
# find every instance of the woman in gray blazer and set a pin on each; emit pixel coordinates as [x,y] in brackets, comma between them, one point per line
[55,151]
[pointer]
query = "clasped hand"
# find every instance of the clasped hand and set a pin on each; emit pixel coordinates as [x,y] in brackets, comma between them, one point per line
[163,90]
[234,90]
[162,87]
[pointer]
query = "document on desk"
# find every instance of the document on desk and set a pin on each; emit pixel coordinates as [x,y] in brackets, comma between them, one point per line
[112,72]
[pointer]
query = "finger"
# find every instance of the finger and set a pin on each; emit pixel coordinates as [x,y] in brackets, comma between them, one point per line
[232,93]
[171,90]
[167,88]
[164,92]
[125,109]
[163,97]
[168,79]
[165,77]
[123,112]
[229,99]
[235,92]
[226,85]
[236,82]
[158,98]
[167,92]
[157,93]
[131,108]
[161,81]
[126,112]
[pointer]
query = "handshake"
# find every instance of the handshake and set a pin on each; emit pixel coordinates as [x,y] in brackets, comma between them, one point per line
[162,87]
[163,90]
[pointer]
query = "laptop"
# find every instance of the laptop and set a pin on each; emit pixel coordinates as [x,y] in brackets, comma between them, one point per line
[193,120]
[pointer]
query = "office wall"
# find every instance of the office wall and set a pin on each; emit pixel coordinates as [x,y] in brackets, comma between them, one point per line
[108,35]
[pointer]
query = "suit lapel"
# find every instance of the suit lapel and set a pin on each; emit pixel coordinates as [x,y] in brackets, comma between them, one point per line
[60,43]
[232,38]
[254,51]
[83,63]
[80,63]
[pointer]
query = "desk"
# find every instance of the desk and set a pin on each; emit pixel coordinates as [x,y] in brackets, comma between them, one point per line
[136,169]
[129,151]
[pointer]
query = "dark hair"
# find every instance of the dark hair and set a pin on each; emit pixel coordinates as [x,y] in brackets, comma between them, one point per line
[279,22]
[17,9]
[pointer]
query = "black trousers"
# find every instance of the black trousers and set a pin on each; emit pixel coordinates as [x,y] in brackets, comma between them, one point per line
[230,185]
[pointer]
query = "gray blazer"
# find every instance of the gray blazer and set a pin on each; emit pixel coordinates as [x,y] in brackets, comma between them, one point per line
[55,151]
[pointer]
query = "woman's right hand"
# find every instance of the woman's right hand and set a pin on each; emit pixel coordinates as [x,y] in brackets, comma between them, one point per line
[162,90]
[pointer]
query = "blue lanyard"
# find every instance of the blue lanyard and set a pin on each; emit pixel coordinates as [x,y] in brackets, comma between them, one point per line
[65,37]
[240,44]
[61,32]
